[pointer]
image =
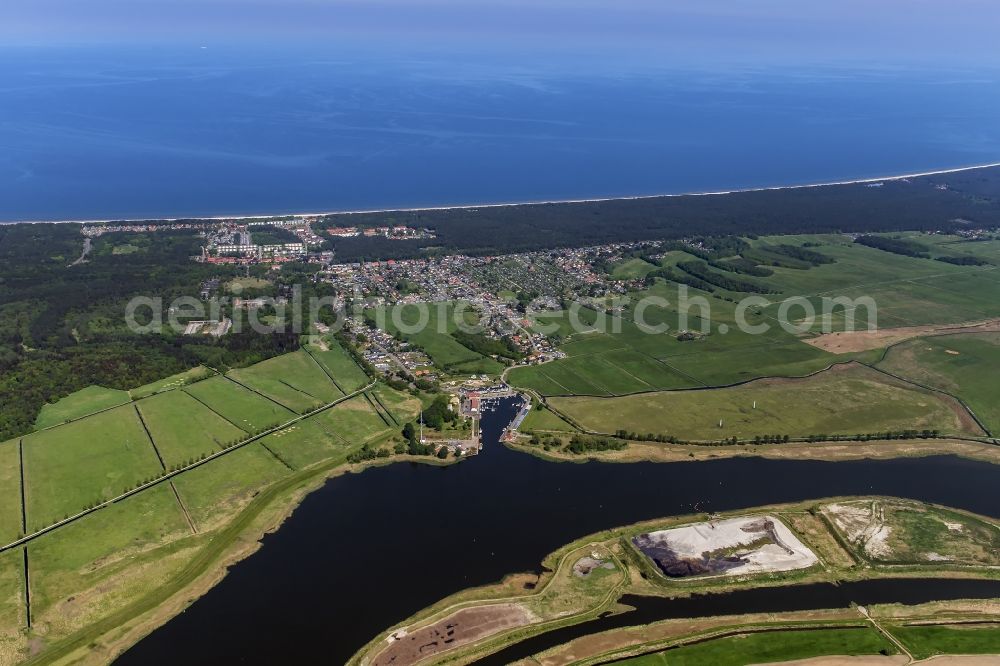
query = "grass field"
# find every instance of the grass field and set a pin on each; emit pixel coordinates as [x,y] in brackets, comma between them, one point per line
[293,380]
[215,492]
[238,405]
[842,401]
[927,641]
[402,406]
[83,402]
[79,573]
[339,363]
[96,458]
[183,429]
[356,421]
[304,443]
[621,358]
[762,648]
[10,492]
[435,337]
[631,269]
[964,365]
[172,382]
[12,615]
[543,420]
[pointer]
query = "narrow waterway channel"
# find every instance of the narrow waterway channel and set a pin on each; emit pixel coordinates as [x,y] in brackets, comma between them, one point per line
[368,550]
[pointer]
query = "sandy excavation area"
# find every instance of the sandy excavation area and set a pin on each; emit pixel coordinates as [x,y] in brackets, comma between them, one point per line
[857,341]
[735,546]
[460,628]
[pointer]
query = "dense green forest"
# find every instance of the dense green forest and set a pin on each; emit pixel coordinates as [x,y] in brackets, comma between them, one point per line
[62,325]
[925,203]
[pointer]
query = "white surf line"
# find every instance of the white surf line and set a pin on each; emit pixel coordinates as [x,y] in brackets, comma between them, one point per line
[513,204]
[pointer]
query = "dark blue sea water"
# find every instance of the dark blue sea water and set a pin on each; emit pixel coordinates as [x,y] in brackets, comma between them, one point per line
[136,132]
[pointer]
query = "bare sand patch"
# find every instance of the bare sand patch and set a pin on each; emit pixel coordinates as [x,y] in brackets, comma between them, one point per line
[460,628]
[845,342]
[744,545]
[863,524]
[843,660]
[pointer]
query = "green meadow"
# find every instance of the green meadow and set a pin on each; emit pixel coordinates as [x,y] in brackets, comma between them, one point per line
[85,401]
[615,355]
[347,374]
[183,429]
[293,380]
[93,459]
[240,406]
[924,641]
[10,492]
[770,646]
[840,402]
[170,383]
[964,365]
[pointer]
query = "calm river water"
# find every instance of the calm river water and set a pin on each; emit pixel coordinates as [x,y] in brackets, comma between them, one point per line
[367,550]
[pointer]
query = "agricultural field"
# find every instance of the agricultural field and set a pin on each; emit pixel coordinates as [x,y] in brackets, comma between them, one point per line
[401,407]
[347,374]
[170,383]
[899,531]
[909,291]
[184,429]
[81,572]
[846,400]
[621,357]
[544,420]
[964,365]
[81,463]
[357,421]
[85,401]
[771,646]
[12,610]
[631,269]
[293,380]
[924,641]
[90,570]
[10,492]
[434,337]
[617,357]
[241,407]
[215,492]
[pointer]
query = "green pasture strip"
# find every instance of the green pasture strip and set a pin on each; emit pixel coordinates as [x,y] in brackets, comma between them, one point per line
[241,407]
[964,365]
[219,488]
[184,429]
[841,402]
[88,461]
[343,369]
[769,647]
[923,641]
[355,421]
[83,554]
[171,383]
[10,491]
[82,403]
[292,380]
[13,611]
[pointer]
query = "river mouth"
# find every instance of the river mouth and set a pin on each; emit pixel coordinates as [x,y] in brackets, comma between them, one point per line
[342,568]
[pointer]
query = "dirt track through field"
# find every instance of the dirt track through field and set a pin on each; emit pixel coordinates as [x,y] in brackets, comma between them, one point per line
[859,341]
